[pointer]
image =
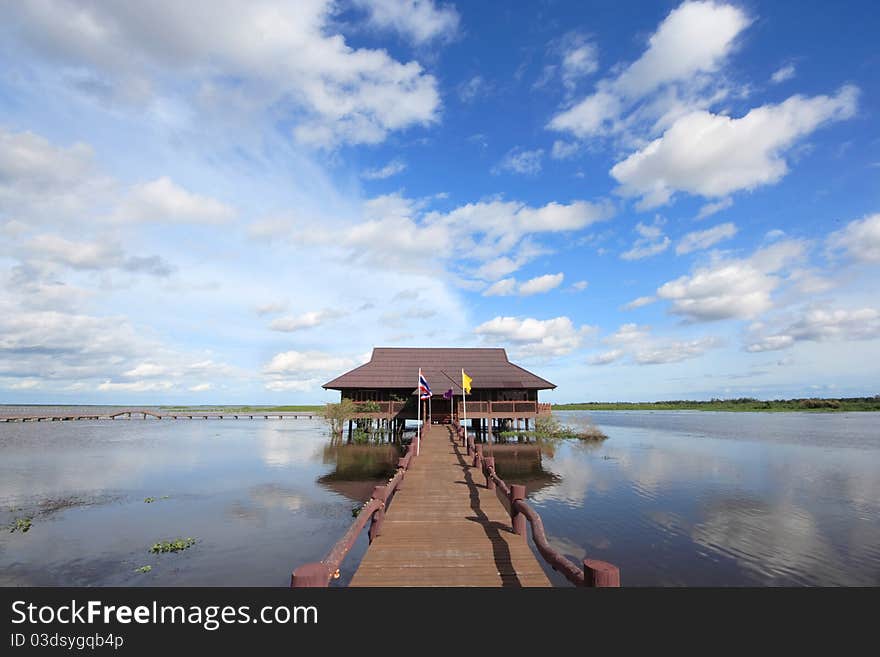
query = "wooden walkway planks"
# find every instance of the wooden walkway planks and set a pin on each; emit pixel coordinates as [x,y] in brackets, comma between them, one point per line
[444,528]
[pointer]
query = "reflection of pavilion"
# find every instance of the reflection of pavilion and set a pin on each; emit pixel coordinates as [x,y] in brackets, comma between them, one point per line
[359,468]
[520,463]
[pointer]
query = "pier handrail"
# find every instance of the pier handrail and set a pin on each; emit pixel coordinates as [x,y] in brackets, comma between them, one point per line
[319,574]
[593,573]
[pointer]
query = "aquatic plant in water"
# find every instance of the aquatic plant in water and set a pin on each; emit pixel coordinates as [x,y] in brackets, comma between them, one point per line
[551,429]
[177,545]
[21,525]
[149,500]
[143,569]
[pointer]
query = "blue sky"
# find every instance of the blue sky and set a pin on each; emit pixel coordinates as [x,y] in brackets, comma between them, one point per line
[224,202]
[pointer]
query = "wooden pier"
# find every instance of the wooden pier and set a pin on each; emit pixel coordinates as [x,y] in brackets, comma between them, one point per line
[446,529]
[144,414]
[435,523]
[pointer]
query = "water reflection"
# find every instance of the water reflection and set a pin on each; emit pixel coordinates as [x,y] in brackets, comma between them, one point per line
[261,497]
[674,504]
[672,498]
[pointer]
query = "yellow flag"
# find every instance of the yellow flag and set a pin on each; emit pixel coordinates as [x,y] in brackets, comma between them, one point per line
[466,383]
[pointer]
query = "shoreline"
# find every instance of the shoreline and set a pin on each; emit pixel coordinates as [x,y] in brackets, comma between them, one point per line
[791,406]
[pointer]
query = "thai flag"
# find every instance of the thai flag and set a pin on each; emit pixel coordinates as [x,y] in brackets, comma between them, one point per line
[424,389]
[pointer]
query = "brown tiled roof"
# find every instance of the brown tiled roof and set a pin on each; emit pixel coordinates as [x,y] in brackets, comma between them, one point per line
[397,367]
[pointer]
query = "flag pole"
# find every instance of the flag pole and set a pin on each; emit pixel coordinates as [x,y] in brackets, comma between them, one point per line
[419,411]
[464,407]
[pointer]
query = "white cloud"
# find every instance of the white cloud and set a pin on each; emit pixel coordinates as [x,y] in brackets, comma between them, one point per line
[574,56]
[639,302]
[691,42]
[499,267]
[642,348]
[30,160]
[299,65]
[519,161]
[589,116]
[391,169]
[293,385]
[713,155]
[296,362]
[492,238]
[540,284]
[303,371]
[606,357]
[472,89]
[714,207]
[562,150]
[307,320]
[534,337]
[580,286]
[45,182]
[735,288]
[694,38]
[201,387]
[651,241]
[163,201]
[78,255]
[98,255]
[860,239]
[271,308]
[418,20]
[146,370]
[496,233]
[25,384]
[674,351]
[579,61]
[135,386]
[703,239]
[787,72]
[503,288]
[819,325]
[629,334]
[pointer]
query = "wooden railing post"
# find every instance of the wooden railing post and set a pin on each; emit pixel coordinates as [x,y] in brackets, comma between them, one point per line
[379,493]
[310,575]
[404,464]
[601,574]
[478,456]
[517,519]
[489,469]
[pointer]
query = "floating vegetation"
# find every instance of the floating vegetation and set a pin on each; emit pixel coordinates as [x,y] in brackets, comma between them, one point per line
[149,500]
[143,569]
[20,525]
[355,512]
[550,429]
[177,545]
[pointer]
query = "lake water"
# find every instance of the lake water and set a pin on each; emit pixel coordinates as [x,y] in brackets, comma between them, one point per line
[672,498]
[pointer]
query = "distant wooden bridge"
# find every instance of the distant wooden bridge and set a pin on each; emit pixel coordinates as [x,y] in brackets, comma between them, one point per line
[445,528]
[134,414]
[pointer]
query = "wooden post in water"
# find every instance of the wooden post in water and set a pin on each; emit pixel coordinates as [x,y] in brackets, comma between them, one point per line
[601,574]
[517,519]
